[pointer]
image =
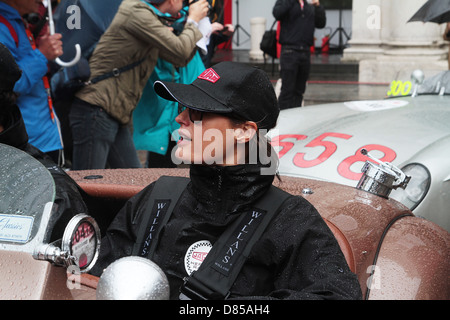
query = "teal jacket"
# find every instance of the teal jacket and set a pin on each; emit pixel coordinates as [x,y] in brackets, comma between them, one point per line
[154,117]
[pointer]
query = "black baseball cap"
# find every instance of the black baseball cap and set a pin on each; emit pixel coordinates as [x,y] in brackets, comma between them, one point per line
[9,70]
[230,88]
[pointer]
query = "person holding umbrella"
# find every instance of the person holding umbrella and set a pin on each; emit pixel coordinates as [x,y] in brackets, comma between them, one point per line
[33,87]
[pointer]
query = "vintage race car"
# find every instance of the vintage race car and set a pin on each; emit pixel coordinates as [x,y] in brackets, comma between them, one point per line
[394,254]
[412,132]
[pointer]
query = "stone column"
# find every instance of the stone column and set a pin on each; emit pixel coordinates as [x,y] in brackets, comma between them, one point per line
[415,39]
[388,47]
[257,29]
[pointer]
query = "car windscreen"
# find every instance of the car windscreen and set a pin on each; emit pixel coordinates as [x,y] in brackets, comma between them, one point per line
[26,187]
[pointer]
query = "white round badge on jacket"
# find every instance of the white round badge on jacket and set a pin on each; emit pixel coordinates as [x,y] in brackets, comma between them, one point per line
[195,255]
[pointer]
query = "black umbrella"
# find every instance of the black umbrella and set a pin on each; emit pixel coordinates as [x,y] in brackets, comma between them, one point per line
[437,11]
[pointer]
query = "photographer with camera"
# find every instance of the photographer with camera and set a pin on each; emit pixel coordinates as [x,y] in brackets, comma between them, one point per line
[124,59]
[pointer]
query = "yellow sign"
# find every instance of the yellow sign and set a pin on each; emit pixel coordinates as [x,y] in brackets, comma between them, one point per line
[399,88]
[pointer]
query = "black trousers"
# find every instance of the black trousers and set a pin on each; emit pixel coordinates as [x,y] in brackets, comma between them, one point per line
[295,66]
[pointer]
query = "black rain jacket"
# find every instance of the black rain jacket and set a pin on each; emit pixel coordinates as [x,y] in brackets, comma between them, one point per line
[297,24]
[297,256]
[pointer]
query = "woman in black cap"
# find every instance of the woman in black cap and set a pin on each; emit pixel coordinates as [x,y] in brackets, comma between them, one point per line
[229,235]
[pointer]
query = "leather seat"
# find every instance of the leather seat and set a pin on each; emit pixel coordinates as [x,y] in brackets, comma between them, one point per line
[344,244]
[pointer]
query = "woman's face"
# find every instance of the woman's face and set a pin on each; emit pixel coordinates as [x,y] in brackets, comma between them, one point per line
[216,139]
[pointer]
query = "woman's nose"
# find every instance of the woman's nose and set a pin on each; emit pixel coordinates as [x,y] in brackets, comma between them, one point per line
[183,118]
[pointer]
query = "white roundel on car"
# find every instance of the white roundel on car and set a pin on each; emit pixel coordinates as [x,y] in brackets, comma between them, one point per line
[195,255]
[375,105]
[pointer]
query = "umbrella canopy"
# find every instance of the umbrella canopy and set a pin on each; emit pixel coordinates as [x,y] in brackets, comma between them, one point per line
[93,18]
[437,11]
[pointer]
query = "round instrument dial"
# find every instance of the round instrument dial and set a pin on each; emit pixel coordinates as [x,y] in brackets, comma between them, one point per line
[82,241]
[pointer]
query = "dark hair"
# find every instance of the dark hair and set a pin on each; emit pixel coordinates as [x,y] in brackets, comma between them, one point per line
[261,146]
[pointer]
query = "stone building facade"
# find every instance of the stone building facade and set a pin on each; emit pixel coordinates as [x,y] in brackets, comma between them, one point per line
[387,47]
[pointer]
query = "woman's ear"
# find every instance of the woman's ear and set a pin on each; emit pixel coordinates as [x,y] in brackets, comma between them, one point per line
[245,132]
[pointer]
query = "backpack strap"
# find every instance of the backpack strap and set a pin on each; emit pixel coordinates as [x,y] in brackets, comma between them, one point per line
[273,25]
[115,72]
[165,194]
[11,29]
[219,270]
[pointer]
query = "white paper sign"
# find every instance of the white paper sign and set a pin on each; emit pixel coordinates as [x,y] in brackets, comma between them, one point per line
[375,105]
[15,228]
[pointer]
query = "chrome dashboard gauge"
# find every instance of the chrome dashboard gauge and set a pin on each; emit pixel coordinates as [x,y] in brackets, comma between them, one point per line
[81,241]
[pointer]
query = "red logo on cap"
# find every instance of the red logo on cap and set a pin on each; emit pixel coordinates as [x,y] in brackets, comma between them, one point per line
[209,75]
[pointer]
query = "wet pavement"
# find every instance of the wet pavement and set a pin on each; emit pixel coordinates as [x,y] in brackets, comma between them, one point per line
[331,80]
[318,93]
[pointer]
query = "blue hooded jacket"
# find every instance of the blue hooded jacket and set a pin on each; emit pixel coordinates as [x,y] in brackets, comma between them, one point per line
[43,132]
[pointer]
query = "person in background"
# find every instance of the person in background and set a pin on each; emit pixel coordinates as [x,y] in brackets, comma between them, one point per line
[298,20]
[220,33]
[153,118]
[33,88]
[124,59]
